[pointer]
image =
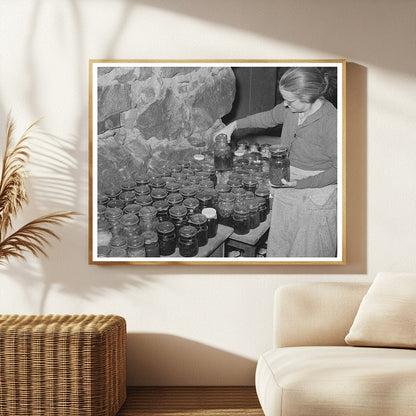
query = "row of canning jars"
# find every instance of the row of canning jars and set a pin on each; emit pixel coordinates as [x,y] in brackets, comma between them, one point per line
[139,205]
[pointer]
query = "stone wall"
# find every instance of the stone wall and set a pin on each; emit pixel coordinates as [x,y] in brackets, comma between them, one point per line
[148,116]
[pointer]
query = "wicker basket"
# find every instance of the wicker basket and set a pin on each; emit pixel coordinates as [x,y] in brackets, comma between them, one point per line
[71,365]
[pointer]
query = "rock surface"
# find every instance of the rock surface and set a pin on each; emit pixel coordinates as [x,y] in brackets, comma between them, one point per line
[148,116]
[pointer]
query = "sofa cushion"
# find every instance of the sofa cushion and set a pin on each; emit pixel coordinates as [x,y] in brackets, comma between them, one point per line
[386,316]
[342,381]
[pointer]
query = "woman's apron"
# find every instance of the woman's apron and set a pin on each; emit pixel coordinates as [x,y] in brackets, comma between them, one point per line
[304,221]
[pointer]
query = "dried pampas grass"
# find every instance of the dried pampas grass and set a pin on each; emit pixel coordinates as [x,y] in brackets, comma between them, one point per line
[34,236]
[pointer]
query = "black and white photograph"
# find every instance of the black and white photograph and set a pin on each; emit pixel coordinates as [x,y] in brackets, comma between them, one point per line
[217,162]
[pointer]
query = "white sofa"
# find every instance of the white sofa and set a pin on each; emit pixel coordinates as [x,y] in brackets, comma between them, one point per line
[311,371]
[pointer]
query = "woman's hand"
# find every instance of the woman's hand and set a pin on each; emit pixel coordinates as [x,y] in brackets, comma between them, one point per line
[289,184]
[228,130]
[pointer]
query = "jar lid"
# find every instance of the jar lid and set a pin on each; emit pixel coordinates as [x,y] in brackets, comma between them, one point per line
[127,196]
[113,213]
[165,171]
[135,241]
[150,237]
[262,191]
[103,225]
[240,208]
[174,198]
[143,199]
[249,195]
[175,167]
[165,227]
[227,197]
[178,211]
[195,165]
[129,219]
[173,186]
[250,181]
[141,179]
[117,252]
[198,157]
[103,251]
[101,209]
[188,231]
[261,201]
[161,205]
[148,211]
[118,241]
[278,149]
[132,209]
[204,196]
[142,190]
[184,163]
[113,191]
[203,174]
[238,191]
[191,203]
[102,198]
[197,219]
[157,182]
[209,213]
[128,184]
[239,153]
[159,193]
[188,191]
[223,188]
[206,183]
[252,205]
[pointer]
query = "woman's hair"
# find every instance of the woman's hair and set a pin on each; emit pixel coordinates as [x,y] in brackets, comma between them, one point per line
[307,83]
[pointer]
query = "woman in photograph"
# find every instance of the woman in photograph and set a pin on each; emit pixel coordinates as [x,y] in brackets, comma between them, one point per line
[304,214]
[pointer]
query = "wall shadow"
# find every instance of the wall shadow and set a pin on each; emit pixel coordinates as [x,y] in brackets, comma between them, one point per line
[167,360]
[331,26]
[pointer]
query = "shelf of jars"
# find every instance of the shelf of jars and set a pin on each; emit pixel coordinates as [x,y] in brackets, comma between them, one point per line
[188,208]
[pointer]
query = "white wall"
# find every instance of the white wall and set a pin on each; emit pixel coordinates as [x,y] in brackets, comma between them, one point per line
[206,325]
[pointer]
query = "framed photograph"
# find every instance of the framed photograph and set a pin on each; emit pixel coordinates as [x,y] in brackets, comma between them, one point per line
[217,162]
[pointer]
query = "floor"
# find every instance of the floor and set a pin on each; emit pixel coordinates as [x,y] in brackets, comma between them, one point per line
[187,401]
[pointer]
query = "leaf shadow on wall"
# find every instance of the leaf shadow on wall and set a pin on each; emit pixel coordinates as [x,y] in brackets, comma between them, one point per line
[171,360]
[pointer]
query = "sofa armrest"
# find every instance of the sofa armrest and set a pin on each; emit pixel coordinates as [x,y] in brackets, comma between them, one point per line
[308,314]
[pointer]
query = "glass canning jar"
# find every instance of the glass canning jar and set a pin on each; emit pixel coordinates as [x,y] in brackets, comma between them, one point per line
[141,179]
[223,156]
[162,208]
[241,219]
[225,208]
[128,184]
[129,223]
[254,213]
[104,234]
[174,199]
[158,194]
[113,215]
[115,203]
[188,241]
[279,165]
[118,242]
[173,186]
[117,252]
[178,215]
[157,182]
[142,190]
[223,188]
[148,218]
[151,243]
[262,208]
[212,221]
[250,184]
[200,222]
[192,205]
[188,191]
[143,200]
[102,199]
[167,238]
[101,211]
[205,199]
[127,197]
[264,192]
[132,209]
[135,246]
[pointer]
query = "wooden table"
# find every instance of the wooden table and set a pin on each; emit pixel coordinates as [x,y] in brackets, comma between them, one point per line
[248,243]
[215,246]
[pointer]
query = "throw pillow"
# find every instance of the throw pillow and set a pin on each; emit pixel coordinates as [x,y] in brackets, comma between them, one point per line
[386,316]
